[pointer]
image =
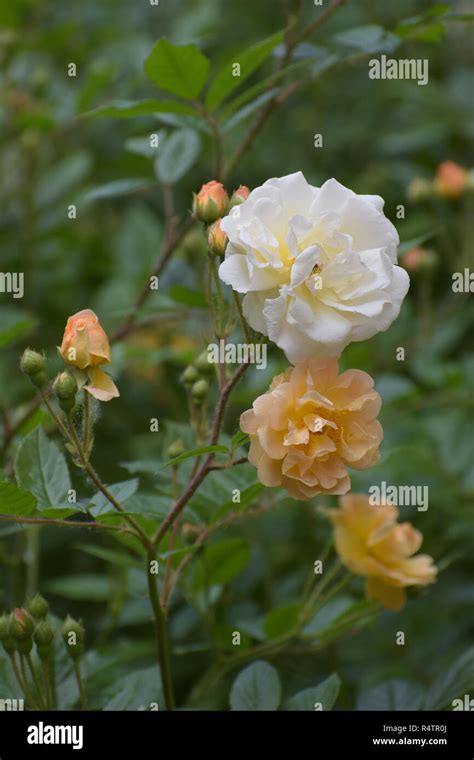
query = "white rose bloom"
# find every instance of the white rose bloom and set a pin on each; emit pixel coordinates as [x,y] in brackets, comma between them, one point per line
[317,265]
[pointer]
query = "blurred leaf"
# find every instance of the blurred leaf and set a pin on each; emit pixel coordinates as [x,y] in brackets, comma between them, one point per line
[393,695]
[256,688]
[179,69]
[15,501]
[85,587]
[454,682]
[249,108]
[247,497]
[121,491]
[116,188]
[177,155]
[141,146]
[370,38]
[324,694]
[41,468]
[59,181]
[197,453]
[137,691]
[221,562]
[188,296]
[126,109]
[112,556]
[224,83]
[281,620]
[15,324]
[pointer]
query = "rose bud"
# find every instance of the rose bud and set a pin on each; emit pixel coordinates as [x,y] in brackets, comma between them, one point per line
[199,391]
[73,635]
[43,636]
[85,345]
[217,239]
[65,389]
[211,202]
[203,364]
[175,450]
[451,180]
[32,364]
[38,607]
[239,196]
[190,375]
[417,259]
[4,627]
[21,624]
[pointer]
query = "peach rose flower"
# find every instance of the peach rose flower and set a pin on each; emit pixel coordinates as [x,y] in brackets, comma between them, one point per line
[451,179]
[311,425]
[371,543]
[85,345]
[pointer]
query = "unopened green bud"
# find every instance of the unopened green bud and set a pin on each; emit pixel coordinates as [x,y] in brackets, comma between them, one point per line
[38,606]
[175,450]
[21,625]
[24,646]
[199,391]
[43,636]
[9,646]
[65,389]
[39,379]
[73,635]
[32,362]
[203,364]
[190,375]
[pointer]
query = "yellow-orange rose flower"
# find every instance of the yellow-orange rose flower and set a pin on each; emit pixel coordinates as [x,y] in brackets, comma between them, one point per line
[311,425]
[85,345]
[371,543]
[451,179]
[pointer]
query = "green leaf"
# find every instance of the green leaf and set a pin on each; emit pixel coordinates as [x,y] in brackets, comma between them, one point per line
[116,188]
[137,691]
[239,439]
[281,620]
[323,696]
[179,69]
[247,496]
[141,146]
[112,556]
[41,468]
[396,694]
[221,562]
[121,491]
[15,324]
[15,501]
[249,59]
[218,448]
[179,152]
[454,682]
[249,108]
[370,38]
[187,296]
[86,587]
[126,109]
[256,688]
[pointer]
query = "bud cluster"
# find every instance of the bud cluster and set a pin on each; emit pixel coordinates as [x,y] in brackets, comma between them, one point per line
[210,205]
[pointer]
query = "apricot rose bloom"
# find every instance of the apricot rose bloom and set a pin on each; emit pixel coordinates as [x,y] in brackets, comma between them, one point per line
[371,543]
[451,179]
[311,425]
[318,265]
[85,346]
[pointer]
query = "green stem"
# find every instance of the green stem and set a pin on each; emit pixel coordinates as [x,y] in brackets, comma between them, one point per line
[18,675]
[54,415]
[47,683]
[243,322]
[35,681]
[26,686]
[80,683]
[163,651]
[87,424]
[32,560]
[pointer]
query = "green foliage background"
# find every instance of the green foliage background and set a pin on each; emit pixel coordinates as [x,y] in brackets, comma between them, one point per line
[378,136]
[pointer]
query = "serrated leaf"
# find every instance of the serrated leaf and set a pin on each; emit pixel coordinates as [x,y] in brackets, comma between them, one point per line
[256,688]
[16,501]
[179,69]
[177,155]
[137,691]
[281,620]
[41,468]
[222,562]
[396,694]
[218,448]
[249,60]
[323,696]
[121,491]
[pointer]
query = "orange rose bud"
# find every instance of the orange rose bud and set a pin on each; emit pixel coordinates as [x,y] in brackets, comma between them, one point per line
[451,180]
[239,196]
[85,345]
[211,202]
[217,238]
